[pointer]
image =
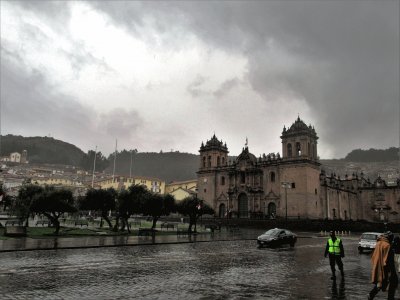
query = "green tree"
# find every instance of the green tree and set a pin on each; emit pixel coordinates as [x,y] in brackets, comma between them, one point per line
[157,205]
[99,200]
[26,194]
[53,203]
[5,199]
[130,202]
[193,208]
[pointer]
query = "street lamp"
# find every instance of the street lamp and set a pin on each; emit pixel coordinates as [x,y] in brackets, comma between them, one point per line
[286,185]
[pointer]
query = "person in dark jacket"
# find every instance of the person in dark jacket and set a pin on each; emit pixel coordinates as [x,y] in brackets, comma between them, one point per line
[334,248]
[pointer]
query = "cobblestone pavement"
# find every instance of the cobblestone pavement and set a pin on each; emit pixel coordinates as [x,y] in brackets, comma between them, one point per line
[209,270]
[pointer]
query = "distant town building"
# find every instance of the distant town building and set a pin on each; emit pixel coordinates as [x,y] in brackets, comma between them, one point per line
[16,157]
[292,184]
[121,182]
[182,189]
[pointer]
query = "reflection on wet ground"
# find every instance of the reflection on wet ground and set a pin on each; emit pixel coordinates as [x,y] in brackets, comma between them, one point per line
[212,270]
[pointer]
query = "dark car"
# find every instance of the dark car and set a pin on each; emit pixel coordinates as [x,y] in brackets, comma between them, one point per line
[277,237]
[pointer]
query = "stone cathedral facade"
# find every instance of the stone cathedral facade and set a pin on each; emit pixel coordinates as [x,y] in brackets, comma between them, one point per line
[292,184]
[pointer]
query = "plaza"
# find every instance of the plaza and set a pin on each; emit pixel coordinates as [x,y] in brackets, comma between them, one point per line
[219,266]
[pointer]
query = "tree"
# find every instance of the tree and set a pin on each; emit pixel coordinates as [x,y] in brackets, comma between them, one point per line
[193,208]
[23,203]
[53,203]
[130,202]
[157,205]
[5,199]
[101,201]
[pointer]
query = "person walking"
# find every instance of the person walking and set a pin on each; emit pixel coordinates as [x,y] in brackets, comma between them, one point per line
[334,248]
[383,273]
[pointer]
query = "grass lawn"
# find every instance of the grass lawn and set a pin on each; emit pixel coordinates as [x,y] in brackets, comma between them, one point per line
[48,232]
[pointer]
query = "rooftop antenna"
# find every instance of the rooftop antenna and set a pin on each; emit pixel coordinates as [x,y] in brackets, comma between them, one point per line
[94,165]
[115,157]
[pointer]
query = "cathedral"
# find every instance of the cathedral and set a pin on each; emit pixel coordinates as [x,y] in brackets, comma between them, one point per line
[292,185]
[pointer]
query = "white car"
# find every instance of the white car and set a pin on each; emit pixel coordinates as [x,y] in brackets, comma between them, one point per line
[368,241]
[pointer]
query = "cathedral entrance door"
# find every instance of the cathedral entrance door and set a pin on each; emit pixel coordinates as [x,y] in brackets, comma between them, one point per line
[272,210]
[222,211]
[243,206]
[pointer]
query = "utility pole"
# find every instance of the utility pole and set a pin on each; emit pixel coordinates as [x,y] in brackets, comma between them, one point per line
[94,165]
[286,185]
[115,157]
[130,168]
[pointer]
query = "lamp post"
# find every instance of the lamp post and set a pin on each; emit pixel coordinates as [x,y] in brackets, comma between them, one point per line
[286,185]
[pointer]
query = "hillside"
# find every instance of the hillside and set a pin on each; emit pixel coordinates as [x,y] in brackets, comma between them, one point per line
[176,166]
[42,149]
[170,166]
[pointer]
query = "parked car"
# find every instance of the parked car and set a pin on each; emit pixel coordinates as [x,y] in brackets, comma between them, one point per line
[277,237]
[368,241]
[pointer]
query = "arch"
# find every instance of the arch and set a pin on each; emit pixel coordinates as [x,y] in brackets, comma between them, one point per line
[243,207]
[222,210]
[272,210]
[298,149]
[289,150]
[272,176]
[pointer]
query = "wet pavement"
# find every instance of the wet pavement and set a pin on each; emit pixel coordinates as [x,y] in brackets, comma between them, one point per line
[225,269]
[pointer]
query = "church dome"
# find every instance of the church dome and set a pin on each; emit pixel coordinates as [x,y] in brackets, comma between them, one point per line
[214,144]
[247,156]
[299,128]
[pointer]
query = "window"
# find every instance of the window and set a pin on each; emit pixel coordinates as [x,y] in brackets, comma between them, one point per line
[242,177]
[316,192]
[205,190]
[209,161]
[218,161]
[222,180]
[289,150]
[293,185]
[334,213]
[272,176]
[309,150]
[223,161]
[204,161]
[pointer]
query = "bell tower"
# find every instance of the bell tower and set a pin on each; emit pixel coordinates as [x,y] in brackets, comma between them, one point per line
[299,142]
[213,155]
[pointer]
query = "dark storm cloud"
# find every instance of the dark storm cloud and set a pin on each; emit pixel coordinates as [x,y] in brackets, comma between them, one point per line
[196,88]
[341,57]
[226,87]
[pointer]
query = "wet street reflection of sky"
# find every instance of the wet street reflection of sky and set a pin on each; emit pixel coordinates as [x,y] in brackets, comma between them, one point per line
[209,270]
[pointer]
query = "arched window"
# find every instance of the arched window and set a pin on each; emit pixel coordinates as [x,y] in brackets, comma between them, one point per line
[272,176]
[204,161]
[223,161]
[218,161]
[209,161]
[289,150]
[298,149]
[222,180]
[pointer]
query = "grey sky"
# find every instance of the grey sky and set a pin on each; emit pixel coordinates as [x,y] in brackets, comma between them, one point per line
[167,75]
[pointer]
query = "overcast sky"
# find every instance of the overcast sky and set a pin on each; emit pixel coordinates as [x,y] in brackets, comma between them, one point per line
[168,75]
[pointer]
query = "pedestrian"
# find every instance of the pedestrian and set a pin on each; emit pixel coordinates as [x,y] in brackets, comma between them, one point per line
[383,273]
[334,248]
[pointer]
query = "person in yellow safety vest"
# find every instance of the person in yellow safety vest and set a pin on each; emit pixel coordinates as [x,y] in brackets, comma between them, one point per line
[334,248]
